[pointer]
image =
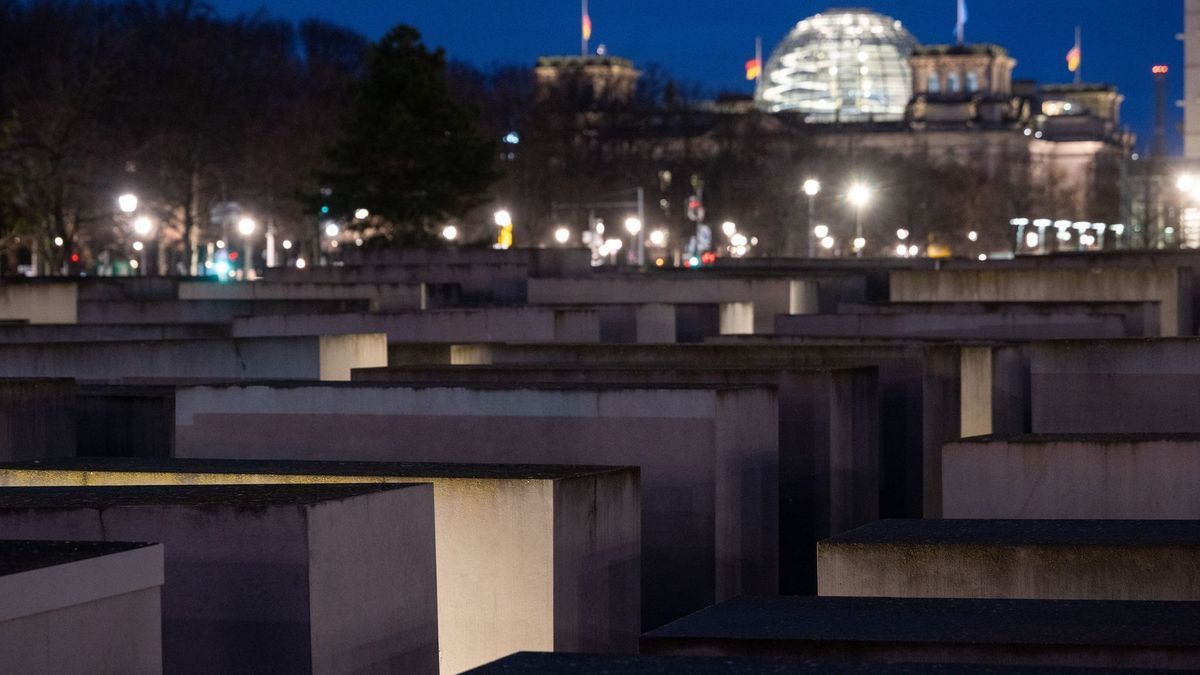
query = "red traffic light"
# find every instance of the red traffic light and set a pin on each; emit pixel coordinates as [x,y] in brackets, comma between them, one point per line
[74,257]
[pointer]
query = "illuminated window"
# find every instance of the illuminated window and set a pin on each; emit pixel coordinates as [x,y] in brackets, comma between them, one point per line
[952,83]
[934,85]
[972,82]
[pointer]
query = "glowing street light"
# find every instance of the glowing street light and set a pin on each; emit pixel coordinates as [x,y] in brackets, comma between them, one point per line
[246,226]
[859,195]
[812,188]
[729,228]
[142,226]
[973,235]
[287,244]
[562,235]
[821,231]
[449,233]
[331,229]
[739,240]
[503,218]
[902,234]
[1186,182]
[300,264]
[658,238]
[633,226]
[827,242]
[127,202]
[361,214]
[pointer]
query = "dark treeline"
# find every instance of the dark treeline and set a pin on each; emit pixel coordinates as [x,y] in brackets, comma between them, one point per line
[167,101]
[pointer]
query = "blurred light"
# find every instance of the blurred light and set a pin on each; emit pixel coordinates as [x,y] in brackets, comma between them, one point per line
[562,235]
[754,241]
[739,239]
[246,226]
[333,244]
[693,262]
[729,228]
[512,138]
[982,257]
[449,233]
[859,194]
[58,241]
[358,241]
[137,246]
[133,264]
[1062,224]
[1032,239]
[1028,132]
[222,267]
[208,264]
[1118,229]
[1064,234]
[1018,222]
[300,264]
[614,245]
[331,229]
[633,225]
[599,227]
[362,214]
[128,203]
[973,235]
[812,187]
[658,238]
[821,231]
[287,244]
[502,218]
[901,250]
[142,226]
[913,250]
[220,243]
[659,262]
[859,243]
[902,234]
[1160,70]
[1038,135]
[1043,222]
[324,210]
[827,242]
[74,257]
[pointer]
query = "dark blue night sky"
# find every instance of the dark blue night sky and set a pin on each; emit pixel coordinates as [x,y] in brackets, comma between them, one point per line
[707,41]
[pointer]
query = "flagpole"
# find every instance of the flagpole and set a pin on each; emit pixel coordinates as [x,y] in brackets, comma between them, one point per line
[1079,46]
[583,37]
[758,58]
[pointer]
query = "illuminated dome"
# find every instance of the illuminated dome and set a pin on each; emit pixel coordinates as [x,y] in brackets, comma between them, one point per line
[843,65]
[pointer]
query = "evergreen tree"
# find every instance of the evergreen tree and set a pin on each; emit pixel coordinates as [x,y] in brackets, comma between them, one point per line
[408,153]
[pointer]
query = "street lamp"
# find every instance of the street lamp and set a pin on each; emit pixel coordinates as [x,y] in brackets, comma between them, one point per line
[246,227]
[503,219]
[902,234]
[331,229]
[658,238]
[128,203]
[821,231]
[449,233]
[729,228]
[634,227]
[859,195]
[812,188]
[361,214]
[562,235]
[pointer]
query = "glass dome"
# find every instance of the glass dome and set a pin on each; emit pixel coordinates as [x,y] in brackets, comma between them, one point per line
[842,65]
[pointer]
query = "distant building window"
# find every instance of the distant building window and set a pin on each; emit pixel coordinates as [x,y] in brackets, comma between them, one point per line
[952,83]
[934,85]
[972,82]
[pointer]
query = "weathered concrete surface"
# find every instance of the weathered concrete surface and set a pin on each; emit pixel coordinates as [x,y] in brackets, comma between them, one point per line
[1079,476]
[490,324]
[769,296]
[968,390]
[268,578]
[904,443]
[382,296]
[1116,386]
[34,333]
[38,301]
[37,419]
[637,323]
[81,607]
[1139,318]
[1008,326]
[1033,633]
[203,311]
[1171,287]
[828,438]
[284,358]
[1017,559]
[709,458]
[528,557]
[502,283]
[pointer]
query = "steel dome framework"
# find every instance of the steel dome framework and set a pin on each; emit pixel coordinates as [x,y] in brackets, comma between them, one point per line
[842,65]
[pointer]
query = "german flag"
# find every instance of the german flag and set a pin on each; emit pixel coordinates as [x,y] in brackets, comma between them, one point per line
[753,69]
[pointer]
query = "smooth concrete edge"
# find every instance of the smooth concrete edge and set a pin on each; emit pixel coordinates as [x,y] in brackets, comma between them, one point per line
[81,581]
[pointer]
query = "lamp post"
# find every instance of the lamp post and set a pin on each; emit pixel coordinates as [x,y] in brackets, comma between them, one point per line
[812,188]
[637,249]
[246,227]
[859,196]
[142,226]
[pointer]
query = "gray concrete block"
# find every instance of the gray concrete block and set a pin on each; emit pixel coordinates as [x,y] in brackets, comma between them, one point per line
[294,578]
[1018,559]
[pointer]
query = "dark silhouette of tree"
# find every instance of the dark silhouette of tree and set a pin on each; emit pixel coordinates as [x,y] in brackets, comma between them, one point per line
[409,153]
